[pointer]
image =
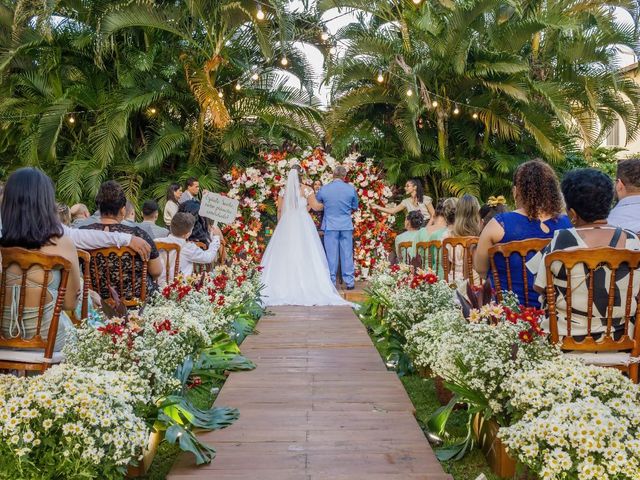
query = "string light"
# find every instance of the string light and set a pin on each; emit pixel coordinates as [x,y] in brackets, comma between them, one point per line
[475,116]
[220,94]
[380,77]
[456,111]
[417,2]
[260,13]
[409,92]
[284,62]
[238,87]
[324,36]
[333,50]
[434,104]
[72,120]
[153,110]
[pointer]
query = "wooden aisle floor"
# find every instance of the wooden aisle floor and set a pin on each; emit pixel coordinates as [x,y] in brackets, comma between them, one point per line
[319,405]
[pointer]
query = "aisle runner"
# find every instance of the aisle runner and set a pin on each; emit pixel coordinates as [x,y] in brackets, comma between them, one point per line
[320,405]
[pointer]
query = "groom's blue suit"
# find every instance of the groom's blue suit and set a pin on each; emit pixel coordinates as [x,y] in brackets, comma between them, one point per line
[340,200]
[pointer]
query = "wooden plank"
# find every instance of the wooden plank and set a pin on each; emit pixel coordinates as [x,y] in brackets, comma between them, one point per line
[320,404]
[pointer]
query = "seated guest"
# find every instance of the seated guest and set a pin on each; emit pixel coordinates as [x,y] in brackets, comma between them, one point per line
[626,213]
[200,229]
[181,227]
[79,212]
[467,223]
[538,214]
[130,215]
[64,214]
[149,219]
[412,224]
[588,194]
[445,214]
[30,220]
[174,192]
[493,207]
[111,203]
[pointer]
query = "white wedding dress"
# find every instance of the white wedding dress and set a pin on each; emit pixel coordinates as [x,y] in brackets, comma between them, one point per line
[295,269]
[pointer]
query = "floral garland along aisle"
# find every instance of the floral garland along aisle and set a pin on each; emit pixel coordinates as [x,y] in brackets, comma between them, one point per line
[560,418]
[257,189]
[127,374]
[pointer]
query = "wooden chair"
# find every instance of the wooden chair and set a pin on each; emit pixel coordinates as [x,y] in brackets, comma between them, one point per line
[431,254]
[202,267]
[36,353]
[404,252]
[171,250]
[84,259]
[449,246]
[625,349]
[117,274]
[521,248]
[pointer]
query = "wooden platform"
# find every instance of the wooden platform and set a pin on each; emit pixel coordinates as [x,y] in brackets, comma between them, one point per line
[356,295]
[320,405]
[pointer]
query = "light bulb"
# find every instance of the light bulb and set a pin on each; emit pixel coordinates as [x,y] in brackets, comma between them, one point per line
[220,94]
[255,76]
[324,36]
[475,116]
[332,50]
[153,111]
[434,104]
[409,92]
[417,2]
[238,87]
[284,62]
[260,13]
[380,78]
[72,120]
[456,111]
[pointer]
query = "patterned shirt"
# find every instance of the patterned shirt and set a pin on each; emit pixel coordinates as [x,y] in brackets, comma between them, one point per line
[569,239]
[112,264]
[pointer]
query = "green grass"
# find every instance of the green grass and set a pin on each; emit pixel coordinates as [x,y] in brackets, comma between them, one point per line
[423,395]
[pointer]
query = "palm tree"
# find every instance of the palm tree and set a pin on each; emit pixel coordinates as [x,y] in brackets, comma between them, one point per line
[459,58]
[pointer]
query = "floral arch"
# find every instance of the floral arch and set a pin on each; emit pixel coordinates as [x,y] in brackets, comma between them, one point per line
[257,189]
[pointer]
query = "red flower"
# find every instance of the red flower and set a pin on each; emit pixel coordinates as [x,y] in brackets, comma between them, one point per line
[431,278]
[525,336]
[511,315]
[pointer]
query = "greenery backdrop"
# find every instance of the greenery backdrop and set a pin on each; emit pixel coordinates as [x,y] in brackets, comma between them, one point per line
[150,92]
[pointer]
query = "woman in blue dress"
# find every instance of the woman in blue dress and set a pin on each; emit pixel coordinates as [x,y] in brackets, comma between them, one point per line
[538,214]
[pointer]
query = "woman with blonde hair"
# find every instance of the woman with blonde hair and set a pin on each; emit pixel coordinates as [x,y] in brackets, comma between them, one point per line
[467,223]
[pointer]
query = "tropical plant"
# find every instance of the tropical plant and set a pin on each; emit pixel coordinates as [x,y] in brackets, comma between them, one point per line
[462,91]
[147,92]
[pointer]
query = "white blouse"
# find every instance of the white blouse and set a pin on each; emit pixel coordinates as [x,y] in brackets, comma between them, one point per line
[408,204]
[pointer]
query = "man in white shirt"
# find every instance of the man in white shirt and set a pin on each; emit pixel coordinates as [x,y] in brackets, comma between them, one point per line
[149,219]
[626,214]
[191,190]
[181,226]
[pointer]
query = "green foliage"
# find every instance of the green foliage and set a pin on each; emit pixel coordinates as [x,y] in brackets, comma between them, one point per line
[96,90]
[540,76]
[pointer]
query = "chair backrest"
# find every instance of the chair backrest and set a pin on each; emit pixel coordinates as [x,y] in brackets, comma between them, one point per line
[404,250]
[449,262]
[26,261]
[202,267]
[84,259]
[590,260]
[521,248]
[170,254]
[122,269]
[431,254]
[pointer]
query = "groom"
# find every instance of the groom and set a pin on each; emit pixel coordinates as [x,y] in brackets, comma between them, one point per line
[340,201]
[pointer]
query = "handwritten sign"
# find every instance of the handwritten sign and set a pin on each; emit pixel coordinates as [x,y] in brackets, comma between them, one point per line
[219,208]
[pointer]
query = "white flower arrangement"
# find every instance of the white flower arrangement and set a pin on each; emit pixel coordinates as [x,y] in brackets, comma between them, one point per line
[575,422]
[70,422]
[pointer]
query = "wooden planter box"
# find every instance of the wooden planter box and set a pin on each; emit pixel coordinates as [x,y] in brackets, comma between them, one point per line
[139,470]
[443,394]
[486,434]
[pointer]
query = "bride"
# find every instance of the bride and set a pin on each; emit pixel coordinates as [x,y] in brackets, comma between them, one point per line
[295,269]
